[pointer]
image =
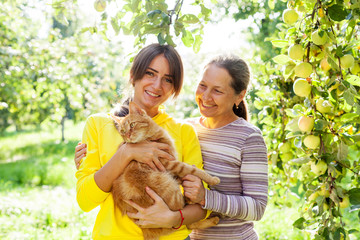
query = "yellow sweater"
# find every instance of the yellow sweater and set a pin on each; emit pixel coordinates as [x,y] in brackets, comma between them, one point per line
[102,141]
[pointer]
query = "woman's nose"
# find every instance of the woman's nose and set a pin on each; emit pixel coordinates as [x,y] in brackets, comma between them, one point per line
[157,83]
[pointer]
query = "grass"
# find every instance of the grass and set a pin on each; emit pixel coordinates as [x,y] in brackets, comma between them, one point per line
[38,198]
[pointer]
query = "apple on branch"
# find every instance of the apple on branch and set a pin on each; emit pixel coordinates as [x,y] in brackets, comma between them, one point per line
[319,168]
[301,87]
[290,16]
[306,124]
[347,61]
[319,38]
[323,106]
[99,5]
[303,70]
[296,52]
[312,141]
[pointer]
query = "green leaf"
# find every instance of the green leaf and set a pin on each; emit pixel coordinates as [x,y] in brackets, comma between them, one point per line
[281,59]
[114,25]
[301,160]
[349,97]
[187,38]
[337,12]
[348,117]
[152,13]
[354,196]
[299,223]
[353,79]
[320,124]
[170,41]
[161,39]
[343,151]
[280,43]
[189,18]
[197,43]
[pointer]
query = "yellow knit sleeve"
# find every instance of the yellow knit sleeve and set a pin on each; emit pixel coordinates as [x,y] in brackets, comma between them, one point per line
[89,195]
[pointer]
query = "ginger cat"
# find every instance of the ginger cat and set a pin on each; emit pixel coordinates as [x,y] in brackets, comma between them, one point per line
[137,126]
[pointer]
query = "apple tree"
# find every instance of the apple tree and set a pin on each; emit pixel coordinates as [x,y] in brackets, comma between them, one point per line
[310,113]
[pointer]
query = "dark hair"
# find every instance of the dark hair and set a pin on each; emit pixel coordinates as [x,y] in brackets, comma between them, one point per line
[142,61]
[240,74]
[148,53]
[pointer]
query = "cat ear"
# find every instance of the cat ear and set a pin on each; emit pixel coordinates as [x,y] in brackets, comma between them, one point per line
[115,118]
[134,108]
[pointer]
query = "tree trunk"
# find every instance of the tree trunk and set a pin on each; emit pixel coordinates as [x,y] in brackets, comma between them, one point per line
[63,129]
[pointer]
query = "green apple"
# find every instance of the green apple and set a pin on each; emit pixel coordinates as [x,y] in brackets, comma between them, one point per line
[311,141]
[319,40]
[324,192]
[323,106]
[313,196]
[290,16]
[356,68]
[347,61]
[345,202]
[296,52]
[99,5]
[324,64]
[285,157]
[284,147]
[303,70]
[301,87]
[319,168]
[306,124]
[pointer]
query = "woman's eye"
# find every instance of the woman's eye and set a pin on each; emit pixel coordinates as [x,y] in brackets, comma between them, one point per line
[151,74]
[168,80]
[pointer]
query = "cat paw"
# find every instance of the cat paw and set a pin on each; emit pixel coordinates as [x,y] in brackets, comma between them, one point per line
[214,181]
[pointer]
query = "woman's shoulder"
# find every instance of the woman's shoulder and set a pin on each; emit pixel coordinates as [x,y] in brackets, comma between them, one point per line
[99,119]
[247,127]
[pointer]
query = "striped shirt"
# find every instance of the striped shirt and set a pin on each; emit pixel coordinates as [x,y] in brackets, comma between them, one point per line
[236,153]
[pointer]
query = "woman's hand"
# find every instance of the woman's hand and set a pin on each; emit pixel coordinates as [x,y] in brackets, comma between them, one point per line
[80,153]
[157,216]
[194,189]
[149,153]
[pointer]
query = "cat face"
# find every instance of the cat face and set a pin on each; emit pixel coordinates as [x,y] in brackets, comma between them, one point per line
[133,128]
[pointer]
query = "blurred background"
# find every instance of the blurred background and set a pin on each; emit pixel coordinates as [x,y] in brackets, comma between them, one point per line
[57,67]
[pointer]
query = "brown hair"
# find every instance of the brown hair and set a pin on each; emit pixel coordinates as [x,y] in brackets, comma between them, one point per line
[240,74]
[142,61]
[148,53]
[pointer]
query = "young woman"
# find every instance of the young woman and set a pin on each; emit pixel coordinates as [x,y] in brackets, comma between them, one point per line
[232,149]
[156,74]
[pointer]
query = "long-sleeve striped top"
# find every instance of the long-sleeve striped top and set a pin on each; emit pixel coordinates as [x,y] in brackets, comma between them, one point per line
[237,154]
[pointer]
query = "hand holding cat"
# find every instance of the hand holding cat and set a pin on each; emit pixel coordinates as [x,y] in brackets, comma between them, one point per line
[194,189]
[149,153]
[158,215]
[80,153]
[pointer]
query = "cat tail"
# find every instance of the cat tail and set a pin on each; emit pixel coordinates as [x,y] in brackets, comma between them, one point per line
[181,169]
[206,223]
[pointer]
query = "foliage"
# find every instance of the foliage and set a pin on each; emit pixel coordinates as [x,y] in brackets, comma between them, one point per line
[52,77]
[319,161]
[332,103]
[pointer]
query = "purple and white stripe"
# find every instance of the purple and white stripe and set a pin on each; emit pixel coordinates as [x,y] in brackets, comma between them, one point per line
[236,153]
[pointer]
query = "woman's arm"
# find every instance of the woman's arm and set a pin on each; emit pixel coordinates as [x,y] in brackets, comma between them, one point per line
[253,177]
[159,215]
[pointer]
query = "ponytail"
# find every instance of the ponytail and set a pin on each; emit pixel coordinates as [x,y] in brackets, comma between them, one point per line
[242,110]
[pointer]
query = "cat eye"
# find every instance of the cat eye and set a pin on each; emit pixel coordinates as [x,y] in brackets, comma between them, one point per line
[132,125]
